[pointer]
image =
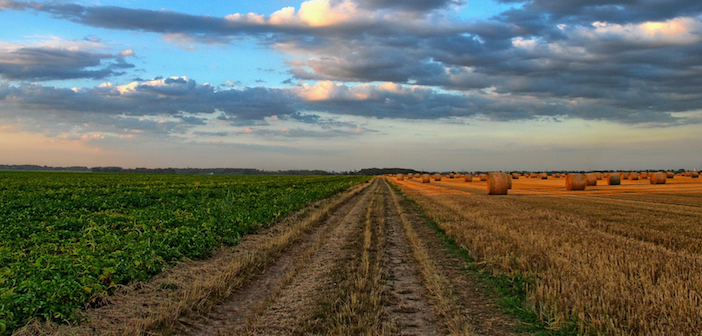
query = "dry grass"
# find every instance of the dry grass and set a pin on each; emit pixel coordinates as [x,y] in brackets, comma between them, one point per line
[447,304]
[602,267]
[359,309]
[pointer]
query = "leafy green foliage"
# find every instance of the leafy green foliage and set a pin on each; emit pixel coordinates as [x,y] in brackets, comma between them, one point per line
[68,238]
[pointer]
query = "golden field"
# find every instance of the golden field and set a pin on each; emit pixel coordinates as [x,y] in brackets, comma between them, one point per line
[617,260]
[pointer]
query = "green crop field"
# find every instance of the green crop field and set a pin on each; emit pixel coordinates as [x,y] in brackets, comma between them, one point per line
[68,238]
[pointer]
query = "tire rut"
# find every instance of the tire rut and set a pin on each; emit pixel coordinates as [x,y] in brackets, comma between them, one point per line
[409,309]
[282,297]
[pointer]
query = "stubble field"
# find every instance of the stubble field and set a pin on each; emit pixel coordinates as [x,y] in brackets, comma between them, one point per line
[612,259]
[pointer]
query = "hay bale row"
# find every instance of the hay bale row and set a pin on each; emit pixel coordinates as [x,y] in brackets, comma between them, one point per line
[576,181]
[498,183]
[425,178]
[614,179]
[591,179]
[658,178]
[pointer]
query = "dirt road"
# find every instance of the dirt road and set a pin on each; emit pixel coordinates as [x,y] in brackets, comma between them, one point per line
[372,267]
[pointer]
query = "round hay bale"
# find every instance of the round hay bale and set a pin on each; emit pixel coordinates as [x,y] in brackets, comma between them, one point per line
[509,181]
[452,175]
[633,176]
[437,177]
[657,178]
[543,176]
[497,183]
[624,176]
[483,177]
[468,178]
[643,175]
[591,179]
[408,176]
[533,175]
[695,175]
[575,182]
[515,176]
[670,175]
[598,176]
[400,177]
[425,178]
[613,179]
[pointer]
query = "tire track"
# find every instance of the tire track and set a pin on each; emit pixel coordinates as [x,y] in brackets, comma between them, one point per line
[281,299]
[409,309]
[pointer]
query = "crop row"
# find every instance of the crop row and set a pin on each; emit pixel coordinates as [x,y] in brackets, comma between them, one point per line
[67,240]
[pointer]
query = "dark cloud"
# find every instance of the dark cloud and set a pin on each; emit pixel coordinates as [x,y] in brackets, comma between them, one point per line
[170,96]
[408,5]
[212,134]
[301,133]
[48,63]
[618,11]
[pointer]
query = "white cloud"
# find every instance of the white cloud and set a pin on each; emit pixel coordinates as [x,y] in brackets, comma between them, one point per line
[318,13]
[127,53]
[313,13]
[674,32]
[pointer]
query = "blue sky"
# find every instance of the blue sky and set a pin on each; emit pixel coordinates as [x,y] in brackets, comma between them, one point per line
[347,84]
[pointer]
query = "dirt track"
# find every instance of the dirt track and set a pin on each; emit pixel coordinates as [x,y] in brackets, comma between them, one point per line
[358,272]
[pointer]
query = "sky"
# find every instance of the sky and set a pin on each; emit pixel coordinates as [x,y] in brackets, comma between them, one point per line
[339,85]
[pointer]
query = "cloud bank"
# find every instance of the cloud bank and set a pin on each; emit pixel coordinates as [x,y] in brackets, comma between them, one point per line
[632,62]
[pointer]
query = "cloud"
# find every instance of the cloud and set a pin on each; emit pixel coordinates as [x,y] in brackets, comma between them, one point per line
[58,59]
[629,61]
[165,96]
[611,11]
[408,5]
[675,32]
[302,133]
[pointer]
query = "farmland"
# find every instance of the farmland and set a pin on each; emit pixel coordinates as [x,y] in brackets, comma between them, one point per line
[67,240]
[344,257]
[617,260]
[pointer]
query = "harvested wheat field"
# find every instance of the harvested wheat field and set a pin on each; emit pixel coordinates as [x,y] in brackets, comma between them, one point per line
[615,260]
